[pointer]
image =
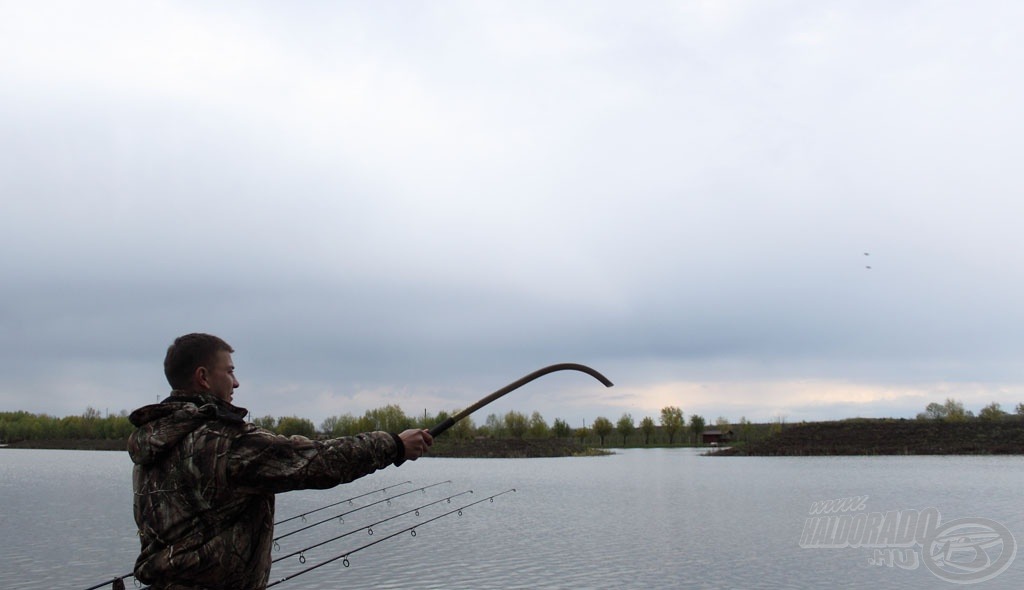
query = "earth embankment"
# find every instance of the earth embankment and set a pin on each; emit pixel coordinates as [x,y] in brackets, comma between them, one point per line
[890,437]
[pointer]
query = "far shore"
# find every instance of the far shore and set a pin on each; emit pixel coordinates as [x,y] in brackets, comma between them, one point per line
[889,437]
[444,447]
[835,438]
[69,444]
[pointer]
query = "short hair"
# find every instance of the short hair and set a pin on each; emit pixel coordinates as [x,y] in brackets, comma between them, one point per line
[188,353]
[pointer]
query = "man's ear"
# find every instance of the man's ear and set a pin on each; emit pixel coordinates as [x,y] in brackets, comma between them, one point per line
[200,378]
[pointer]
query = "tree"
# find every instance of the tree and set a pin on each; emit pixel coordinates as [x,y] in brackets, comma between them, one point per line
[1020,409]
[955,411]
[647,429]
[561,429]
[18,426]
[293,425]
[671,421]
[992,412]
[744,427]
[582,433]
[266,422]
[494,426]
[344,425]
[389,418]
[89,423]
[537,427]
[602,427]
[118,427]
[329,424]
[934,411]
[625,427]
[516,423]
[696,427]
[463,429]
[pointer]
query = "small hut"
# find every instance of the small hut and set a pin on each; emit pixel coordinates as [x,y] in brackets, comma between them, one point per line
[715,437]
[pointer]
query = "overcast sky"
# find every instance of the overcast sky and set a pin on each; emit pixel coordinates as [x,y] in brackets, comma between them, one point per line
[419,202]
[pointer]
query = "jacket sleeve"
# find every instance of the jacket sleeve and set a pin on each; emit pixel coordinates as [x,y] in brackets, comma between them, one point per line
[262,461]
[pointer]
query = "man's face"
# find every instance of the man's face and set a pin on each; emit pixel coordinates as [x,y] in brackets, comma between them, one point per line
[220,376]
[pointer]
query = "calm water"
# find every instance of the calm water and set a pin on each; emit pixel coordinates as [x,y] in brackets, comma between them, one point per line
[654,518]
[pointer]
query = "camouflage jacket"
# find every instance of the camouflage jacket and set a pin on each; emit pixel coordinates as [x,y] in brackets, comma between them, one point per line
[205,481]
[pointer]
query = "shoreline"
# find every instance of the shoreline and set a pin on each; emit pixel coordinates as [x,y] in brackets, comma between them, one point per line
[443,448]
[869,437]
[858,436]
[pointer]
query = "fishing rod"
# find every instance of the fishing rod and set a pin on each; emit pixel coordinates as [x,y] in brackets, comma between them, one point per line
[411,529]
[349,500]
[448,423]
[117,582]
[343,514]
[368,528]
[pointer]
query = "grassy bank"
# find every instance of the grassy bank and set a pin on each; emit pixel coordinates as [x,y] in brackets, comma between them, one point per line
[890,437]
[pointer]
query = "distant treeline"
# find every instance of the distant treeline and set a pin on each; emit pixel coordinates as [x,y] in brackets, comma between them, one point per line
[671,428]
[91,425]
[953,411]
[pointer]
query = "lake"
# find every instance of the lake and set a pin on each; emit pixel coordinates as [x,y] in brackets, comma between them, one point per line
[642,518]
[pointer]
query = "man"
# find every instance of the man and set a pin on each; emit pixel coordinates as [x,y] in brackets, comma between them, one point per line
[205,478]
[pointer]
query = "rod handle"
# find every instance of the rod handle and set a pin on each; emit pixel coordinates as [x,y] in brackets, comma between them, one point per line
[441,427]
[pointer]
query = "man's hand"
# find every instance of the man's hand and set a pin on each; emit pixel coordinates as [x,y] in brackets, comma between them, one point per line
[416,443]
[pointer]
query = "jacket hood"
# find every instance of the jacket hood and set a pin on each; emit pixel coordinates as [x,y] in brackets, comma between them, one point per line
[160,427]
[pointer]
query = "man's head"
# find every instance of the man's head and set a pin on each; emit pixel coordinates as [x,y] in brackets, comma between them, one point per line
[201,362]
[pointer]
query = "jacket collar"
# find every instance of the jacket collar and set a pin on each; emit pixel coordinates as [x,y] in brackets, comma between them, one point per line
[223,409]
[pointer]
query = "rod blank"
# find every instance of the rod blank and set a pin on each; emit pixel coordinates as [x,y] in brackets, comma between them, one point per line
[448,423]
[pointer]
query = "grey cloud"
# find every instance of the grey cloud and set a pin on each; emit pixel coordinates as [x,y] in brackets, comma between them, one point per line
[673,192]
